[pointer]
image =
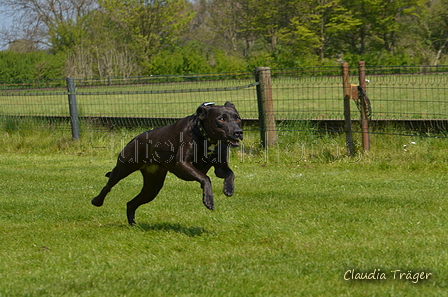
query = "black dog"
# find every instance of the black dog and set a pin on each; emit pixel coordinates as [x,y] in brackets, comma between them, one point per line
[187,148]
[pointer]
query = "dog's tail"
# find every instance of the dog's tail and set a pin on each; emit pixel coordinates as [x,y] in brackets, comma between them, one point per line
[108,174]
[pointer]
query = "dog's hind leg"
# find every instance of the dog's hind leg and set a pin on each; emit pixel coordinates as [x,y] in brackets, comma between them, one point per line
[153,179]
[117,174]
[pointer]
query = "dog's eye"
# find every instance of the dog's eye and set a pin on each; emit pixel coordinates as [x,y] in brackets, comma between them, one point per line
[221,119]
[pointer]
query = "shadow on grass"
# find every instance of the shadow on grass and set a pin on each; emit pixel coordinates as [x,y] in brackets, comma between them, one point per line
[189,231]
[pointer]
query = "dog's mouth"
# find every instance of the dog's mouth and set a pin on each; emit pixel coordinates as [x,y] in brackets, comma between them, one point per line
[233,142]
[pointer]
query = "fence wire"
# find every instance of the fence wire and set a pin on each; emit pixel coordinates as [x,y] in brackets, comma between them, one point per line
[405,100]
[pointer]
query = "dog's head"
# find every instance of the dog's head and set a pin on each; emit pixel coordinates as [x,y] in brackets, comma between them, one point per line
[220,123]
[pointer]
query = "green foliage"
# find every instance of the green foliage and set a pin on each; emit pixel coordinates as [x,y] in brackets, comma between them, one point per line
[66,35]
[193,58]
[382,58]
[187,59]
[378,23]
[223,62]
[151,25]
[133,38]
[432,29]
[30,66]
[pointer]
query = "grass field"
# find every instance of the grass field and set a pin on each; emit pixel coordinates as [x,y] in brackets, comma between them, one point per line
[304,217]
[392,97]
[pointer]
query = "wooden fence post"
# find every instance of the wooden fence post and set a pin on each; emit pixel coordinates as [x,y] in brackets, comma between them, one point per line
[268,130]
[74,119]
[364,118]
[348,121]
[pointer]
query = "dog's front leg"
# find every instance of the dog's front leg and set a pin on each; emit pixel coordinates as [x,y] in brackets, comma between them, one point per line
[227,174]
[187,171]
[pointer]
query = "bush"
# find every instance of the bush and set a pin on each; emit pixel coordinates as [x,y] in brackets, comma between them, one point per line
[30,66]
[382,59]
[223,62]
[179,60]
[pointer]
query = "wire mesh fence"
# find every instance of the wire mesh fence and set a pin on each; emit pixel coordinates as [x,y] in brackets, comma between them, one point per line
[308,93]
[163,97]
[412,94]
[409,96]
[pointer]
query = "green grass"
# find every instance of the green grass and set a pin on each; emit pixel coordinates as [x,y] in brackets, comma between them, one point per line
[293,228]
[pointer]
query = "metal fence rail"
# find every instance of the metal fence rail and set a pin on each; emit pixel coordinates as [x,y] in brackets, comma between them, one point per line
[412,94]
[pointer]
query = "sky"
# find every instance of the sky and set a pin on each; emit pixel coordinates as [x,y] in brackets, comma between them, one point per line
[5,22]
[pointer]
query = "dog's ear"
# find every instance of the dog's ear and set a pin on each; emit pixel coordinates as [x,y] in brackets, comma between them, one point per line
[229,104]
[202,111]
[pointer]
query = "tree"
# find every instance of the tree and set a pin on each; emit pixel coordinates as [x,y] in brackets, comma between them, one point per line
[149,25]
[54,24]
[379,23]
[329,19]
[434,28]
[102,50]
[226,21]
[266,19]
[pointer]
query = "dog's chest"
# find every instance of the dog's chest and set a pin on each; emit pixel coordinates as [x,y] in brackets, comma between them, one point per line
[213,154]
[211,149]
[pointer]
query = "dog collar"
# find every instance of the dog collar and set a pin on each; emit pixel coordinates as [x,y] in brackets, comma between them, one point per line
[204,133]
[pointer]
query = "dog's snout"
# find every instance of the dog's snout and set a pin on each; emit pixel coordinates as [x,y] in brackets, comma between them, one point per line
[238,134]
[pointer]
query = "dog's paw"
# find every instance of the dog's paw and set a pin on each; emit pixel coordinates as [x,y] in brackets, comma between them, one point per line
[228,189]
[97,202]
[208,202]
